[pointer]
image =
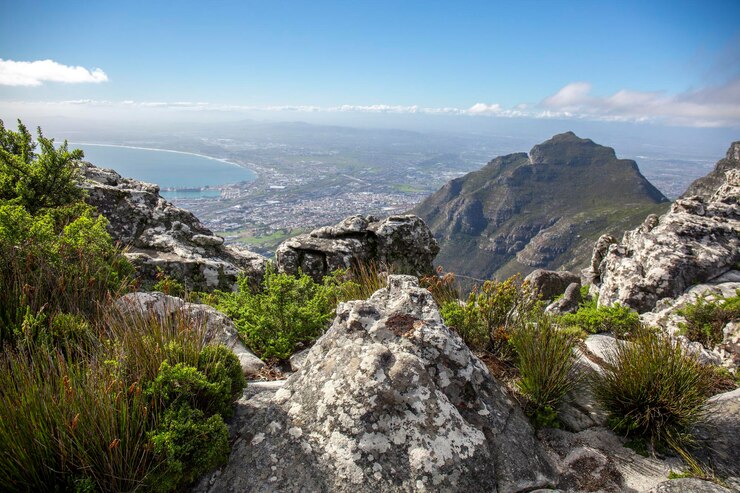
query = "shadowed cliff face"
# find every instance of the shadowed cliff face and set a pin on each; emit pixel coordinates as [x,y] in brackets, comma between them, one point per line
[544,209]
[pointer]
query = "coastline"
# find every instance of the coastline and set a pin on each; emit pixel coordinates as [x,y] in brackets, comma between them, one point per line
[226,161]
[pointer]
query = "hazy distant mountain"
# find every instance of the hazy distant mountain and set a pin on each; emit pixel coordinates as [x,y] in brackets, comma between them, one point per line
[543,210]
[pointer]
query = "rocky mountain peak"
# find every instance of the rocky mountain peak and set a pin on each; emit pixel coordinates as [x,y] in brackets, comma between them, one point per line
[544,209]
[570,150]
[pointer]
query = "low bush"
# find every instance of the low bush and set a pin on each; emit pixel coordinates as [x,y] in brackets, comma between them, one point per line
[705,320]
[592,318]
[190,444]
[486,320]
[652,388]
[287,314]
[444,287]
[546,366]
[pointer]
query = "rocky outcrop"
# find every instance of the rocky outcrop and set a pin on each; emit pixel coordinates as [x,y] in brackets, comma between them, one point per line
[551,283]
[162,237]
[666,316]
[705,186]
[170,311]
[391,400]
[696,241]
[689,485]
[403,242]
[544,209]
[569,302]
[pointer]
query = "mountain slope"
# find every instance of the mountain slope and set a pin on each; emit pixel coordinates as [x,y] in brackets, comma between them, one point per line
[543,210]
[705,186]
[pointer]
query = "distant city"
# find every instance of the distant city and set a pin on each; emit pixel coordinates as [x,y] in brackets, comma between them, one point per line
[310,175]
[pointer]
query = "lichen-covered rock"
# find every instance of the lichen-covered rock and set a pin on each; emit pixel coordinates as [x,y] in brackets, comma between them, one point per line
[390,400]
[218,327]
[569,302]
[551,283]
[695,242]
[162,237]
[402,241]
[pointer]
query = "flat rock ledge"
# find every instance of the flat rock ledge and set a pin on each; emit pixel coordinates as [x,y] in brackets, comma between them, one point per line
[390,400]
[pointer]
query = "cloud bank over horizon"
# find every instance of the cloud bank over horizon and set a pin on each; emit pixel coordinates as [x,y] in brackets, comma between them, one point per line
[711,106]
[33,74]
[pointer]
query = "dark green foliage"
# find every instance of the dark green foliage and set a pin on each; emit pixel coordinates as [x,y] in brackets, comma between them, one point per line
[289,312]
[705,320]
[652,388]
[546,366]
[60,260]
[190,443]
[220,364]
[486,320]
[169,286]
[37,180]
[592,318]
[83,404]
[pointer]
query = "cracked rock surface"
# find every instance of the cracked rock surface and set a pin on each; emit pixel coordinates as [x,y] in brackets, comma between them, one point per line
[391,400]
[402,241]
[160,236]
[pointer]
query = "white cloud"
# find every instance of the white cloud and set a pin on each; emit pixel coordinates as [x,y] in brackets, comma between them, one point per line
[35,73]
[707,107]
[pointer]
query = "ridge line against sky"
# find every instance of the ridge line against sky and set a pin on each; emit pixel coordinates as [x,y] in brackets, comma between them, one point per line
[664,62]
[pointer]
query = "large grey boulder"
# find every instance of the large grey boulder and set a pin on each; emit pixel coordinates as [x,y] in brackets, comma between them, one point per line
[401,241]
[719,435]
[390,400]
[169,309]
[694,242]
[551,283]
[162,237]
[569,302]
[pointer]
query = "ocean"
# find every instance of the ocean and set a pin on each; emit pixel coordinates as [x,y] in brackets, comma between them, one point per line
[185,172]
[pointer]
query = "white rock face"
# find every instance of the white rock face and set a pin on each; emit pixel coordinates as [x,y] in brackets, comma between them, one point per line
[391,400]
[163,237]
[219,327]
[695,242]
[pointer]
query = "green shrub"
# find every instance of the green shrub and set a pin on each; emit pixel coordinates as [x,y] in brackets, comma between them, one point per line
[220,364]
[37,180]
[486,320]
[652,388]
[617,319]
[60,260]
[191,445]
[546,366]
[706,319]
[288,313]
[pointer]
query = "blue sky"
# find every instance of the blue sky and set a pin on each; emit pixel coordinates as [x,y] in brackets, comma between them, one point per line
[668,62]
